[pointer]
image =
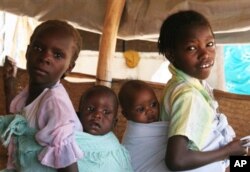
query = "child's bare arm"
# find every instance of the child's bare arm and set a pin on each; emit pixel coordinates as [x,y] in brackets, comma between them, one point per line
[72,168]
[9,73]
[179,157]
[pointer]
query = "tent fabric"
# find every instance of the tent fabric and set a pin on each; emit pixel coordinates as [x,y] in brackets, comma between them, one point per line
[141,19]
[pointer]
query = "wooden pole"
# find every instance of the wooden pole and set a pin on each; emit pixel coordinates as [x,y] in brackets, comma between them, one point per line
[107,46]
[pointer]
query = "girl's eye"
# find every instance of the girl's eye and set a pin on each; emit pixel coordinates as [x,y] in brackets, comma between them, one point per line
[139,109]
[210,44]
[37,48]
[106,111]
[58,55]
[90,109]
[191,48]
[154,104]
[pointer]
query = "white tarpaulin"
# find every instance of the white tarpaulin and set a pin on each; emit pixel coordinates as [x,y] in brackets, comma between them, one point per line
[141,19]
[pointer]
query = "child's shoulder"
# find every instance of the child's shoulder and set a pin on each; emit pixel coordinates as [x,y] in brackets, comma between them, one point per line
[56,98]
[179,87]
[58,92]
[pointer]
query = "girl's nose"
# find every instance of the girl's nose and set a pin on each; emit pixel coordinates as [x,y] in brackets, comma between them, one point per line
[149,110]
[46,56]
[204,54]
[97,115]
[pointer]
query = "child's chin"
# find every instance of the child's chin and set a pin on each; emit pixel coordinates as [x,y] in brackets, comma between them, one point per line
[96,132]
[93,132]
[204,75]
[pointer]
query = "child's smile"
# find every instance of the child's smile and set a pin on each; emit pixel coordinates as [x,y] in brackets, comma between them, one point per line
[207,65]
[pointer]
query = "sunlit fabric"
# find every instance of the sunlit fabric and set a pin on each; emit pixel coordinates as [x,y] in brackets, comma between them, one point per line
[237,68]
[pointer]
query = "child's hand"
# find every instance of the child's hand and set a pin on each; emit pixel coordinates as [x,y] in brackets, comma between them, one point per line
[246,141]
[9,77]
[236,147]
[9,68]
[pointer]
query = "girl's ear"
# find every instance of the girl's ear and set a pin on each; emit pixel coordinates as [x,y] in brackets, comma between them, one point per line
[170,56]
[27,52]
[71,66]
[114,122]
[124,114]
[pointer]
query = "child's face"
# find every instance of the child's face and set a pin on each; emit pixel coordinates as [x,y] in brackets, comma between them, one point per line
[49,56]
[195,52]
[98,115]
[144,107]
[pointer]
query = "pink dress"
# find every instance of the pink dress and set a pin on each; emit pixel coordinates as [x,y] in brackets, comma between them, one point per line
[54,116]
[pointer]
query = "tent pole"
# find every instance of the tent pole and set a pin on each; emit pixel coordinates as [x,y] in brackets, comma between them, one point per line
[107,45]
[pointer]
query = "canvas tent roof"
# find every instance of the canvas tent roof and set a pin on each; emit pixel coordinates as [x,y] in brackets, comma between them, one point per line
[141,19]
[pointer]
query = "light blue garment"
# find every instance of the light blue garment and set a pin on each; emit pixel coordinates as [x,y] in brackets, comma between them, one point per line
[27,148]
[101,153]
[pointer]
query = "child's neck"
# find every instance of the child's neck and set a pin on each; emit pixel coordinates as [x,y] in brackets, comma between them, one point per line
[35,90]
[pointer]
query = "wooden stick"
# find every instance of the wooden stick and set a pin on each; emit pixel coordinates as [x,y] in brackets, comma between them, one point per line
[108,41]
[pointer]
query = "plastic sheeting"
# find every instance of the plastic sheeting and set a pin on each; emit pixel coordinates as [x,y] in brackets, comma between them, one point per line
[141,19]
[237,68]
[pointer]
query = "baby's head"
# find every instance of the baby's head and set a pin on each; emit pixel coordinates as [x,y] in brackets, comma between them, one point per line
[52,52]
[138,102]
[187,41]
[98,110]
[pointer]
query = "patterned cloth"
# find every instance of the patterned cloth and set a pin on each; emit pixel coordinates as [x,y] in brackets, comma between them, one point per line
[27,149]
[53,116]
[187,105]
[191,110]
[102,153]
[146,144]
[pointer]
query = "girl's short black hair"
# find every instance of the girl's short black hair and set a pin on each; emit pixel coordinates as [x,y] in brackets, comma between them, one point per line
[175,24]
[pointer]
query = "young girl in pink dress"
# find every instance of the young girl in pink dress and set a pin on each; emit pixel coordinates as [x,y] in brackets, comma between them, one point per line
[52,52]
